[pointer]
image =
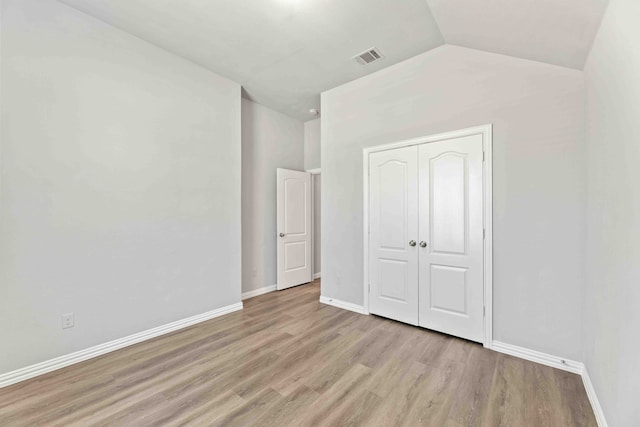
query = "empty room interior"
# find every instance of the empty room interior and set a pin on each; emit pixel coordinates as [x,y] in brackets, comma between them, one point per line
[320,212]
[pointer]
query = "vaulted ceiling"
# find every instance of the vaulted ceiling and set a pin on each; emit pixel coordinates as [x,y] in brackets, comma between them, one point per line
[558,32]
[286,52]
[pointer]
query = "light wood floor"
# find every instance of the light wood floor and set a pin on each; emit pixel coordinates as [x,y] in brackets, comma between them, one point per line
[288,360]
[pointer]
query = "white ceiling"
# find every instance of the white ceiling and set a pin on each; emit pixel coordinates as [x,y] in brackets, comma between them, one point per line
[285,52]
[558,32]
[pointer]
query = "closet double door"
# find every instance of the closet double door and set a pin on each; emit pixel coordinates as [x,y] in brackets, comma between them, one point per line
[426,236]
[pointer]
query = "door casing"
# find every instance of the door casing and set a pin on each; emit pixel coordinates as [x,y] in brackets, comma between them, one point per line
[314,174]
[487,147]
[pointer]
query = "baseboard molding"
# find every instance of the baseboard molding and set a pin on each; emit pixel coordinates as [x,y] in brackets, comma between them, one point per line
[343,305]
[316,276]
[539,357]
[559,363]
[32,371]
[593,398]
[256,292]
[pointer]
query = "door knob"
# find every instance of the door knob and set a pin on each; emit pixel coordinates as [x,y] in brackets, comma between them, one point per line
[423,244]
[281,234]
[412,243]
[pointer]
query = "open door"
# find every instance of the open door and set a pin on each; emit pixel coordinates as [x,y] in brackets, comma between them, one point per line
[294,228]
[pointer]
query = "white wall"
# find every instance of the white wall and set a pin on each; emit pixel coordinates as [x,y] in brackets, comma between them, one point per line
[612,310]
[539,178]
[270,140]
[312,144]
[120,184]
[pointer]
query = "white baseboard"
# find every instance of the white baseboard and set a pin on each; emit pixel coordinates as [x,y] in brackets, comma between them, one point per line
[560,363]
[343,305]
[316,276]
[593,398]
[98,350]
[538,357]
[259,291]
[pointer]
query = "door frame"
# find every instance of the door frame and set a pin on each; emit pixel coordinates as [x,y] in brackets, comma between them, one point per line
[487,195]
[313,172]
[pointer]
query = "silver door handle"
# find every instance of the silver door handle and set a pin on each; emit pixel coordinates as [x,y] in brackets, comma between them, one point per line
[281,234]
[412,243]
[423,244]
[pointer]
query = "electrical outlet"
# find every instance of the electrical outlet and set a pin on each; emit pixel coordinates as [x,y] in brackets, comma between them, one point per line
[67,320]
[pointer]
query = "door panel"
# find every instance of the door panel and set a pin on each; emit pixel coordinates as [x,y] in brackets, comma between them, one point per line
[294,228]
[295,256]
[393,204]
[449,289]
[294,206]
[448,204]
[451,265]
[393,280]
[393,208]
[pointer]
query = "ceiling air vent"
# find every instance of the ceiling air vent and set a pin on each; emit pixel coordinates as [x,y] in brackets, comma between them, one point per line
[368,56]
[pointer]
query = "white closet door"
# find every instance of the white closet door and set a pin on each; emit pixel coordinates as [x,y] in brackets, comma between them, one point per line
[451,237]
[393,232]
[294,228]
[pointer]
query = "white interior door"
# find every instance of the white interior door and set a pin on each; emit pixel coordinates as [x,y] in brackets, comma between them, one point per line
[451,237]
[393,232]
[294,228]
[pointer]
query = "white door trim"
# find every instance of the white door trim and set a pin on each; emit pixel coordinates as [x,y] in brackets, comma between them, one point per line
[487,146]
[313,172]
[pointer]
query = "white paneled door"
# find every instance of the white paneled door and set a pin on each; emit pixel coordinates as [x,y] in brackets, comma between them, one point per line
[426,248]
[393,233]
[451,237]
[294,228]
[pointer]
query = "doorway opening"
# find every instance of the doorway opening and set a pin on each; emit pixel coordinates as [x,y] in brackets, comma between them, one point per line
[299,225]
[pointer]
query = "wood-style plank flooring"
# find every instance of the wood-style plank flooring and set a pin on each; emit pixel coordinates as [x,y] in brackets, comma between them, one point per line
[287,360]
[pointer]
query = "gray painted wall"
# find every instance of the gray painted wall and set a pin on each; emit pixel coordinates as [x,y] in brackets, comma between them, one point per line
[120,186]
[312,144]
[539,178]
[270,140]
[612,315]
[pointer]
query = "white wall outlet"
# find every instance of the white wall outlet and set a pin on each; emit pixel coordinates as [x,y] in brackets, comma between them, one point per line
[67,320]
